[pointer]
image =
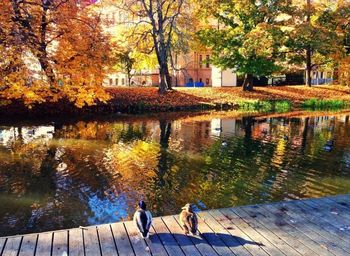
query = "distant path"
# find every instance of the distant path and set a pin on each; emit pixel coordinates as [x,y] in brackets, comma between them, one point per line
[302,227]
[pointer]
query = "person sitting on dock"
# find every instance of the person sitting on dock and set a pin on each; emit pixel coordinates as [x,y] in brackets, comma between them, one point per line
[143,219]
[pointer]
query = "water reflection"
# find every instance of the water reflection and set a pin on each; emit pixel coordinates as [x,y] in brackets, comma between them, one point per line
[65,175]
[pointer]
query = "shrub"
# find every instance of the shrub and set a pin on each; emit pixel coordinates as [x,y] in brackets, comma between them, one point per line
[318,104]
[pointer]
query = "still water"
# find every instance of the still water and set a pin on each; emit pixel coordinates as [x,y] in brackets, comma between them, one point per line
[61,175]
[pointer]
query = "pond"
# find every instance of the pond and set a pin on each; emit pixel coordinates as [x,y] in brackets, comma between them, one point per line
[63,174]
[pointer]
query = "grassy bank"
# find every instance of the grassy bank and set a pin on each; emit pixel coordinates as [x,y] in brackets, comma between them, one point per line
[144,100]
[277,99]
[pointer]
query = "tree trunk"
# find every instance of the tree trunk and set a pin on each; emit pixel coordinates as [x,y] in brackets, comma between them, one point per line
[248,82]
[308,66]
[163,79]
[168,78]
[308,49]
[304,136]
[48,70]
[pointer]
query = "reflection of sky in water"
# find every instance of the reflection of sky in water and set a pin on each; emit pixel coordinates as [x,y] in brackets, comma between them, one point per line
[107,210]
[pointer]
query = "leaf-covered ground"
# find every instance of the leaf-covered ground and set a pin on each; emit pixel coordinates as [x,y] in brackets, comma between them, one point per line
[146,100]
[233,95]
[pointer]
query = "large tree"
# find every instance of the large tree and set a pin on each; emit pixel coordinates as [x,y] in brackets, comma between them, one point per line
[315,35]
[153,25]
[247,37]
[52,49]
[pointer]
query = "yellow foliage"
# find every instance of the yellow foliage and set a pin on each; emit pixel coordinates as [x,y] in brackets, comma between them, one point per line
[71,65]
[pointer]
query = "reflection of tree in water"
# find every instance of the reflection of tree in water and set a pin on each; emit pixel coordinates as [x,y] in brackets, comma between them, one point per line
[37,196]
[133,132]
[63,182]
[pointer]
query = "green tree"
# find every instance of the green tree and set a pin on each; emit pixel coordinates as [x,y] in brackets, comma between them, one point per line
[315,35]
[247,37]
[126,63]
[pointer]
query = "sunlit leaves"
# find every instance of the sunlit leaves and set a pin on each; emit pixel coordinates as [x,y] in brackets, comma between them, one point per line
[247,38]
[52,51]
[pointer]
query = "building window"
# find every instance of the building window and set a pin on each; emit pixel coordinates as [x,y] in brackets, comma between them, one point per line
[116,81]
[200,61]
[207,81]
[110,81]
[207,61]
[123,81]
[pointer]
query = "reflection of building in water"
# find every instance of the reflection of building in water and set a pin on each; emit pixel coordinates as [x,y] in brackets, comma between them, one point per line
[26,134]
[223,127]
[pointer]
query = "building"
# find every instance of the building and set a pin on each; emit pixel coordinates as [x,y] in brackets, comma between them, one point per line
[192,69]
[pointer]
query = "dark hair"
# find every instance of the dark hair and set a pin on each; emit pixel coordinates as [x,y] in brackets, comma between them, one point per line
[142,205]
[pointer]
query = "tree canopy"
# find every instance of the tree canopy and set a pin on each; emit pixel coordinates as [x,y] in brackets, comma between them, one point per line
[52,50]
[247,37]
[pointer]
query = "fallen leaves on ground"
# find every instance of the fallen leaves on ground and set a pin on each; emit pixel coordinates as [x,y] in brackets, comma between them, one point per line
[233,95]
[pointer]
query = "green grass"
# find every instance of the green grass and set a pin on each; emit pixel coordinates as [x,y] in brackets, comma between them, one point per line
[317,104]
[266,106]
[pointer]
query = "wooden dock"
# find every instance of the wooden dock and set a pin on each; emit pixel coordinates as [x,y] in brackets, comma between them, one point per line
[303,227]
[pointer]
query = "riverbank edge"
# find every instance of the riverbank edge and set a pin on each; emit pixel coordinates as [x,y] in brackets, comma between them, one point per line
[146,101]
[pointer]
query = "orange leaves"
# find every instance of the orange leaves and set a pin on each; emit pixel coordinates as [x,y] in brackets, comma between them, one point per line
[151,99]
[344,71]
[148,98]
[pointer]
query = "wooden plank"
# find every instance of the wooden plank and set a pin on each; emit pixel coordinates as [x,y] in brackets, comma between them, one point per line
[186,244]
[230,241]
[76,242]
[329,206]
[333,207]
[334,224]
[12,246]
[253,247]
[306,227]
[155,245]
[200,242]
[252,233]
[343,200]
[270,236]
[44,244]
[60,243]
[2,244]
[108,247]
[91,242]
[320,225]
[169,242]
[28,245]
[283,230]
[207,233]
[137,242]
[312,240]
[121,239]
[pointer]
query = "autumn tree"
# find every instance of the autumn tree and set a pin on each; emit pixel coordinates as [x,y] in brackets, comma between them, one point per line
[154,24]
[246,37]
[52,50]
[341,21]
[315,34]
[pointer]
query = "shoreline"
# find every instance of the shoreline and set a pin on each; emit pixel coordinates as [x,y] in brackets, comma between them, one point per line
[147,100]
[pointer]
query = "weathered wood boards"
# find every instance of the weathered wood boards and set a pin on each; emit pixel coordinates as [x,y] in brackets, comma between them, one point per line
[303,227]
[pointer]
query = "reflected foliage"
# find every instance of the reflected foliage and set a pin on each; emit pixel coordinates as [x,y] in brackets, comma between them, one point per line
[65,175]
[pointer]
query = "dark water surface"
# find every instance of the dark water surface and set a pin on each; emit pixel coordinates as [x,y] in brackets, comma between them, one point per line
[61,175]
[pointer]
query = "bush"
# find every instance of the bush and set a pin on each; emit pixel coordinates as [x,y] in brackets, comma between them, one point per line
[266,106]
[317,104]
[283,106]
